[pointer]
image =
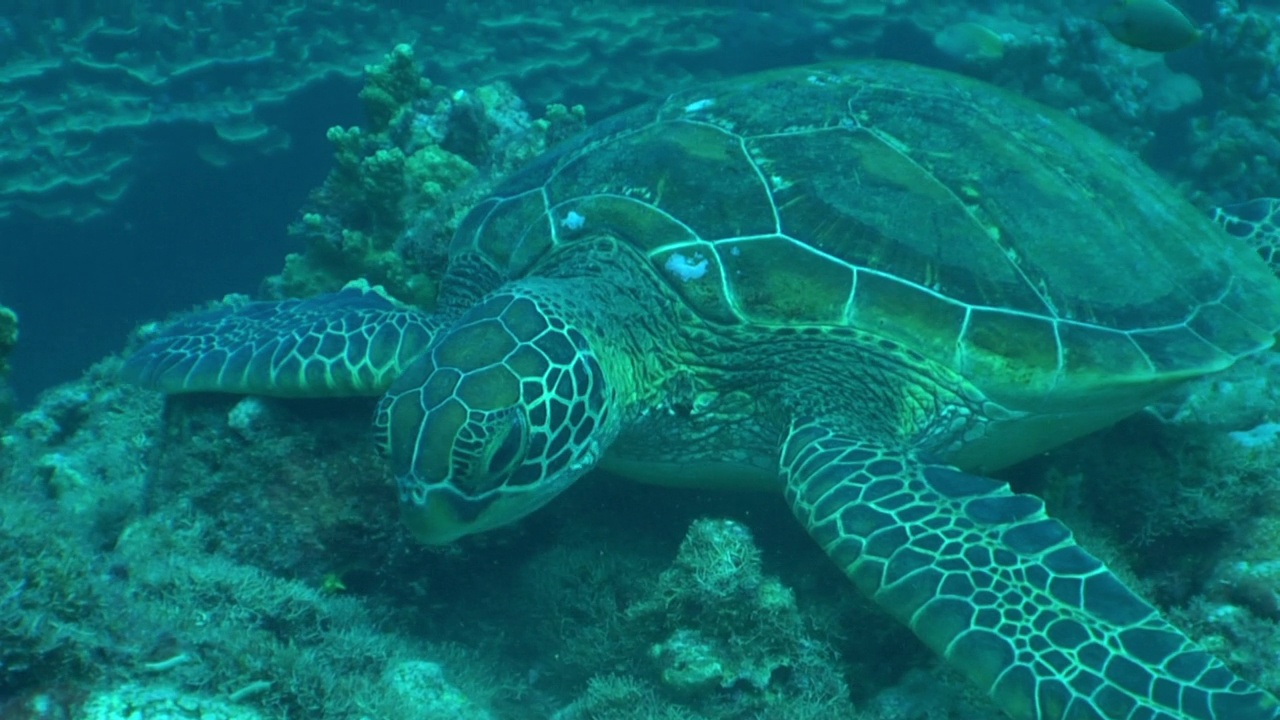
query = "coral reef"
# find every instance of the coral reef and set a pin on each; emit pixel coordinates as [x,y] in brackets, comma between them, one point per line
[127,701]
[115,589]
[209,565]
[388,208]
[71,480]
[424,686]
[1234,139]
[713,636]
[725,639]
[122,70]
[1204,116]
[160,702]
[721,623]
[619,697]
[577,591]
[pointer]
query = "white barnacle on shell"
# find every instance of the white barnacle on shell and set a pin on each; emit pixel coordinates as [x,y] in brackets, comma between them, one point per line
[686,268]
[699,105]
[573,221]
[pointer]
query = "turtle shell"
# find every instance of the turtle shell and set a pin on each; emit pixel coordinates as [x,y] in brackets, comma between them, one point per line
[995,236]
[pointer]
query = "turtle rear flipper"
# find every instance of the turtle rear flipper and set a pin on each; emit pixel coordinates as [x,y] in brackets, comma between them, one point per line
[352,342]
[1257,222]
[1002,591]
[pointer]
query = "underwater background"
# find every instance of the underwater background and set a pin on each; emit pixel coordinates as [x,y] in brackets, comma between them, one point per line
[228,557]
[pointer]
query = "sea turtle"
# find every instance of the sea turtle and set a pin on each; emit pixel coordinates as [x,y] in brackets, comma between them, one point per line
[862,284]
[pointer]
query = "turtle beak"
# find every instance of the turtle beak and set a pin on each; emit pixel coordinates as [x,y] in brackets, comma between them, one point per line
[439,520]
[442,515]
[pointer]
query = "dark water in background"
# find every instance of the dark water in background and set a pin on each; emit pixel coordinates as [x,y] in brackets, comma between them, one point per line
[186,233]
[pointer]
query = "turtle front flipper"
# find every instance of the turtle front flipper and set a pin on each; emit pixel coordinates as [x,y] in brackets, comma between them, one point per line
[1000,590]
[352,342]
[1257,222]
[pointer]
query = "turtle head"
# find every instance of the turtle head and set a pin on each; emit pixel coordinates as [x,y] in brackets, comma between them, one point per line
[507,408]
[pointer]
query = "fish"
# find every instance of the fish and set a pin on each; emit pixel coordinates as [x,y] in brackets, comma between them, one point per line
[1154,25]
[969,42]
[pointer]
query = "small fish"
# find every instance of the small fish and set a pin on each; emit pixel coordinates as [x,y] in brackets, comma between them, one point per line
[1153,25]
[970,42]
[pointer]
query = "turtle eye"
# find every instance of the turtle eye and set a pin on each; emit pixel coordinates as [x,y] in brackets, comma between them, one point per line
[509,445]
[487,449]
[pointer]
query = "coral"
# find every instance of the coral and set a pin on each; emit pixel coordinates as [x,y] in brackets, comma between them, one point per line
[1234,151]
[132,700]
[1244,640]
[139,74]
[1239,47]
[81,446]
[1208,482]
[1074,66]
[71,474]
[1205,118]
[392,85]
[1227,150]
[621,697]
[281,645]
[421,685]
[1238,155]
[726,632]
[299,503]
[1178,482]
[250,417]
[1255,585]
[388,208]
[107,573]
[126,701]
[52,599]
[576,592]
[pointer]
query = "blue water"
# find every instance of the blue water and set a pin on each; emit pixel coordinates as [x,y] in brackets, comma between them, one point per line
[186,233]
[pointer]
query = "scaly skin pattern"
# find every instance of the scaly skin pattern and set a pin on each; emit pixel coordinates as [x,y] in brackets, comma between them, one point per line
[1001,591]
[349,343]
[509,400]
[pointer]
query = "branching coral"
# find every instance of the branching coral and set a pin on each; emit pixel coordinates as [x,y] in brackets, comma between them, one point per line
[386,211]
